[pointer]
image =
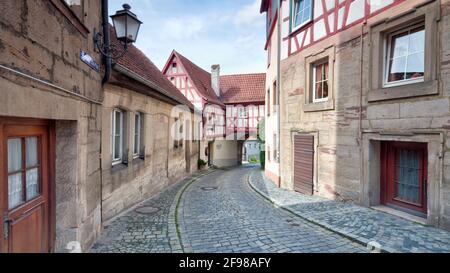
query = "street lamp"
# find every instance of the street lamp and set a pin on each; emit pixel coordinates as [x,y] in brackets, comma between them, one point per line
[126,26]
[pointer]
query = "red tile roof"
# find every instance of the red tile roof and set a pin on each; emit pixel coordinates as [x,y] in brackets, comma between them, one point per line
[201,79]
[137,62]
[243,88]
[240,88]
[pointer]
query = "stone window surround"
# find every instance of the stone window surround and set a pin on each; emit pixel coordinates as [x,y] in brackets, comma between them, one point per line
[67,12]
[309,105]
[370,186]
[429,14]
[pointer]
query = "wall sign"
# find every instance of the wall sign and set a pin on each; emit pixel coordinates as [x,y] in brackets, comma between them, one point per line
[87,59]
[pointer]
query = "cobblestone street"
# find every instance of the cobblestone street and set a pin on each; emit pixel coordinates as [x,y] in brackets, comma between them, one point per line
[218,213]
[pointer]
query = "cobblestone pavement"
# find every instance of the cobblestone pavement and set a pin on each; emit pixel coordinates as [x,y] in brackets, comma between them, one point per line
[365,225]
[134,232]
[221,213]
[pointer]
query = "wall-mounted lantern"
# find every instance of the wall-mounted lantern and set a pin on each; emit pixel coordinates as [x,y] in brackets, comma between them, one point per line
[126,27]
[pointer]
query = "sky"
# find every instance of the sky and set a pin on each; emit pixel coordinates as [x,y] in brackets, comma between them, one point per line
[226,32]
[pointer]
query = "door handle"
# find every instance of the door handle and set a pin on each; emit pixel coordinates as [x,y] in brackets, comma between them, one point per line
[6,223]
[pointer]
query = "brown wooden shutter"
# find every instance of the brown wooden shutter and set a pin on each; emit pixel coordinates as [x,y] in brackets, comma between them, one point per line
[304,163]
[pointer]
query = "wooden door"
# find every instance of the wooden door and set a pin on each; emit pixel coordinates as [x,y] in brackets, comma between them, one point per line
[304,164]
[404,175]
[24,187]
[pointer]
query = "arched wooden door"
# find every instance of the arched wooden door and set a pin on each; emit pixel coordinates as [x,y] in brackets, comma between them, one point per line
[25,186]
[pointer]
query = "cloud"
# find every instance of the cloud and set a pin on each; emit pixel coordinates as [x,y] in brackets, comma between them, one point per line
[182,28]
[249,15]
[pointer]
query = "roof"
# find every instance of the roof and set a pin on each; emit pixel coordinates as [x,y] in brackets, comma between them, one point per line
[137,62]
[243,88]
[200,78]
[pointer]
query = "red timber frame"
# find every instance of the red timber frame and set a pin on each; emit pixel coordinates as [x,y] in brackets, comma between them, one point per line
[233,121]
[190,91]
[296,45]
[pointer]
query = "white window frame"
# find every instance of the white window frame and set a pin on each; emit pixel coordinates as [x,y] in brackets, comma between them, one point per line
[118,160]
[293,15]
[313,87]
[387,54]
[138,133]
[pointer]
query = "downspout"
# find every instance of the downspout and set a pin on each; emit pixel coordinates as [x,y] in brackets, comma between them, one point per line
[107,62]
[106,40]
[279,91]
[360,130]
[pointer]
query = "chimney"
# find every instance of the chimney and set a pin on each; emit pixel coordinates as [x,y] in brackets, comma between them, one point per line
[215,79]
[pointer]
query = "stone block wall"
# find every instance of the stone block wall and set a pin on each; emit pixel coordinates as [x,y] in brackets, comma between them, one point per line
[38,40]
[346,133]
[124,186]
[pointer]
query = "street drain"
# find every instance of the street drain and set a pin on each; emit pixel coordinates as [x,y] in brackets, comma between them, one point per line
[146,210]
[209,188]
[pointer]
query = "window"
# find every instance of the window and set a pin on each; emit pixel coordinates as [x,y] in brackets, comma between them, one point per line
[268,103]
[319,70]
[275,99]
[138,133]
[174,68]
[302,13]
[404,51]
[76,6]
[117,136]
[179,132]
[405,56]
[320,81]
[275,145]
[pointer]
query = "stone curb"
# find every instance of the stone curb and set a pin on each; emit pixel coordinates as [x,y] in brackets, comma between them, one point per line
[356,239]
[176,241]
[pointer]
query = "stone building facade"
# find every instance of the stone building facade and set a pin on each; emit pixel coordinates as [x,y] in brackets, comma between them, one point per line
[158,146]
[43,82]
[373,126]
[57,184]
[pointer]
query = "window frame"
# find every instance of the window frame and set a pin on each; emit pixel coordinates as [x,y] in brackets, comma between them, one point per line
[139,135]
[328,55]
[294,28]
[119,160]
[313,86]
[387,54]
[429,15]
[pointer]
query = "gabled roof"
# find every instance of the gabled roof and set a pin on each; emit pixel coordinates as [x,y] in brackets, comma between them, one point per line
[137,62]
[200,78]
[243,88]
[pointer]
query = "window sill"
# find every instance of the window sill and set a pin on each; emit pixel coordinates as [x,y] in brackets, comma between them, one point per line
[297,30]
[70,15]
[319,106]
[404,91]
[118,167]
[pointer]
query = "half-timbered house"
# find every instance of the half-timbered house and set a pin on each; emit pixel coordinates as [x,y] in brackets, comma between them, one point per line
[364,102]
[232,106]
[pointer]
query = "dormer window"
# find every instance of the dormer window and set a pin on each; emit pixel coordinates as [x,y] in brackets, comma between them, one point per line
[302,13]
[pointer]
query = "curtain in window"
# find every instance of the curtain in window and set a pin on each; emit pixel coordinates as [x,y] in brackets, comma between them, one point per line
[408,180]
[32,175]
[15,195]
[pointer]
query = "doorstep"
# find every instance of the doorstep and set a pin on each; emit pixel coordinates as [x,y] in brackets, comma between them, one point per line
[401,214]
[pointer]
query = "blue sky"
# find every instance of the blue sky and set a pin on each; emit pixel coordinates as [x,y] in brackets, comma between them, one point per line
[226,32]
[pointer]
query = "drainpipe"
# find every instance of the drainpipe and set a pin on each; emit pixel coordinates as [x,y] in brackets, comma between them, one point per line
[279,90]
[106,40]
